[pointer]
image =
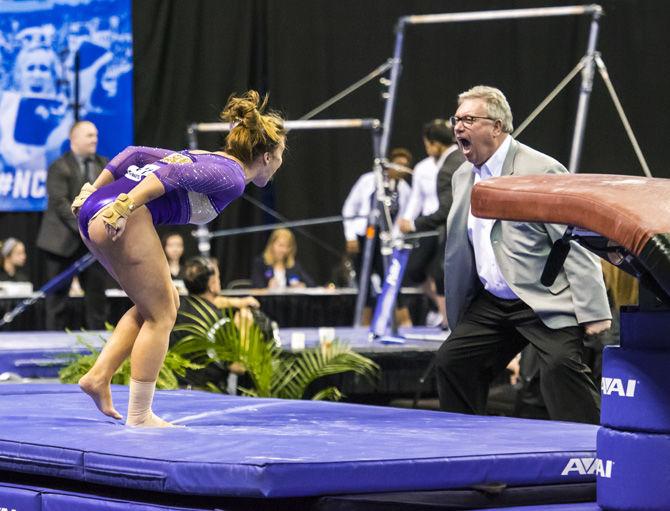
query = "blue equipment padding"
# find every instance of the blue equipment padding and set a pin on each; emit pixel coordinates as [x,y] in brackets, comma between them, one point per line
[645,329]
[390,339]
[492,497]
[68,502]
[586,506]
[25,497]
[633,471]
[392,282]
[250,447]
[636,390]
[43,354]
[18,498]
[15,497]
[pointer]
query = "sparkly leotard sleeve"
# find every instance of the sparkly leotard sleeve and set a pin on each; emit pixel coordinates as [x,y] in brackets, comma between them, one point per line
[198,186]
[134,155]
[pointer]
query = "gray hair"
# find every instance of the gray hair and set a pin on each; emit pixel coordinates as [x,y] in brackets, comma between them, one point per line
[497,106]
[7,246]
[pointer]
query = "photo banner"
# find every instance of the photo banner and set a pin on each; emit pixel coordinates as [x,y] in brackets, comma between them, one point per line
[40,41]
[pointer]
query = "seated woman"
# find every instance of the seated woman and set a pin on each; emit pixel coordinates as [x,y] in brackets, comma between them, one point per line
[173,246]
[277,268]
[12,259]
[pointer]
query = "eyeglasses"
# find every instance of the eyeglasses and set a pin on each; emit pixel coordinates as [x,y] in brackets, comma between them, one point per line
[467,120]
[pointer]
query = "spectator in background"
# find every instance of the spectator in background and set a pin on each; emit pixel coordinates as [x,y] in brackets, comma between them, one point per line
[358,204]
[173,246]
[277,268]
[427,210]
[12,259]
[202,280]
[58,235]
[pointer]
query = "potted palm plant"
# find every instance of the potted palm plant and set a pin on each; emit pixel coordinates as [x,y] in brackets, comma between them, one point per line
[174,367]
[235,339]
[272,371]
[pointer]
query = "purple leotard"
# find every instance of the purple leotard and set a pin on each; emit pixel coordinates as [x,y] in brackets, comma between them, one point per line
[197,186]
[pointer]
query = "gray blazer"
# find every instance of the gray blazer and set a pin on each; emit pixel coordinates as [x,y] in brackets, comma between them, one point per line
[59,232]
[521,249]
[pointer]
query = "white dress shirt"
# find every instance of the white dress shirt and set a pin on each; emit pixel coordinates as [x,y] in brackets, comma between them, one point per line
[424,200]
[358,202]
[280,278]
[479,231]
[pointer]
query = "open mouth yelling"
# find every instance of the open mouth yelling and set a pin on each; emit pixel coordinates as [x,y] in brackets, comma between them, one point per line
[465,144]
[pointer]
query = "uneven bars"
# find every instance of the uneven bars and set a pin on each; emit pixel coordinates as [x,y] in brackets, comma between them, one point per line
[570,10]
[283,225]
[314,124]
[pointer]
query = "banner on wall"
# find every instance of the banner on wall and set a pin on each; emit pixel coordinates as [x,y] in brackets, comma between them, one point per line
[39,40]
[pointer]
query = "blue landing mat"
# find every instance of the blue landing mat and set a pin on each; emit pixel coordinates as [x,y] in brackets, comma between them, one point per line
[20,497]
[234,446]
[42,354]
[31,498]
[409,339]
[554,507]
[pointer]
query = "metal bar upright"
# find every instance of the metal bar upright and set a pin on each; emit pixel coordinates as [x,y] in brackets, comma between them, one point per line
[585,93]
[192,135]
[396,69]
[376,223]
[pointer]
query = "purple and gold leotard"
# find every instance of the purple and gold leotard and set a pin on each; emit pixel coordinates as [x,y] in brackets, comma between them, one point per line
[197,185]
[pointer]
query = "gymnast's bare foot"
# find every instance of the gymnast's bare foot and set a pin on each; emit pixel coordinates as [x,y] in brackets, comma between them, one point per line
[101,393]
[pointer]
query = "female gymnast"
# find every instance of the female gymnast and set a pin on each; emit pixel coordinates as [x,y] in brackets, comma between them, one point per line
[144,187]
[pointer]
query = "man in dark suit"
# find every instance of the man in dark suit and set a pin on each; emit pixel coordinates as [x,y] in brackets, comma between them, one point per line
[59,236]
[441,145]
[495,301]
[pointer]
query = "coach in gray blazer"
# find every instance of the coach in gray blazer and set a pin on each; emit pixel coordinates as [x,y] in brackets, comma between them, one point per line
[496,304]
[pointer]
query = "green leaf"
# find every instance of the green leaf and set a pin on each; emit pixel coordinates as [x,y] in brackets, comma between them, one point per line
[210,338]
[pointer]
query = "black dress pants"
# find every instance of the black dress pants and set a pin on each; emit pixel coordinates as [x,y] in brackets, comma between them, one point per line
[93,282]
[490,334]
[427,260]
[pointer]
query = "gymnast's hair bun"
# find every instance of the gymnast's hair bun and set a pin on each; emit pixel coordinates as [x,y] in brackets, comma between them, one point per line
[255,132]
[245,109]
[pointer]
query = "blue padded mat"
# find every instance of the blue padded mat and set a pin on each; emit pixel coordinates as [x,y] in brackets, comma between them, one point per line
[410,339]
[554,507]
[31,498]
[644,329]
[636,390]
[234,446]
[42,354]
[65,502]
[634,470]
[19,498]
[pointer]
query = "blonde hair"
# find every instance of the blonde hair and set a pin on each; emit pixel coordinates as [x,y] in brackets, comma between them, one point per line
[268,257]
[254,133]
[497,106]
